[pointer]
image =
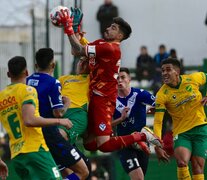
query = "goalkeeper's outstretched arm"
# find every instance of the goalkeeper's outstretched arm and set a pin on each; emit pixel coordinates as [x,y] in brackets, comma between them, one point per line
[77,48]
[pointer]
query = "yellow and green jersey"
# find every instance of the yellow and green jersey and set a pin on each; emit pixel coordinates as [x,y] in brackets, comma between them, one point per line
[183,104]
[76,88]
[84,41]
[22,139]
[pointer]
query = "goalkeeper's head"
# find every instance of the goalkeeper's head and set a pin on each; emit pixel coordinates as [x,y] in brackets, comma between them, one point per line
[124,27]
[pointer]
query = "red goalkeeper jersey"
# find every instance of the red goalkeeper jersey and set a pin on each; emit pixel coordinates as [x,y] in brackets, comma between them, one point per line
[104,62]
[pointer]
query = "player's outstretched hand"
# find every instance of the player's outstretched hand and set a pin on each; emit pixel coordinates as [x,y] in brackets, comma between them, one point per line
[204,100]
[162,155]
[3,170]
[66,123]
[67,21]
[77,15]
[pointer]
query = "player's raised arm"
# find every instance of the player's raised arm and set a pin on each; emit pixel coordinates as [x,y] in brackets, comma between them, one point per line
[67,21]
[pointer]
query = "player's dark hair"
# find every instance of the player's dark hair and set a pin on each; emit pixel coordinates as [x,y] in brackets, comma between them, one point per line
[124,69]
[173,61]
[44,57]
[124,26]
[16,66]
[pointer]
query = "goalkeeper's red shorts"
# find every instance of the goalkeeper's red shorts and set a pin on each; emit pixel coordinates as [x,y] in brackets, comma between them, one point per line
[100,115]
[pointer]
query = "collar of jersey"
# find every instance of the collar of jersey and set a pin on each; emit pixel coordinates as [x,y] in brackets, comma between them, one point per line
[14,83]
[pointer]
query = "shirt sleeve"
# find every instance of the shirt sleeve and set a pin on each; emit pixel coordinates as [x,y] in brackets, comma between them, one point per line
[159,114]
[148,98]
[30,96]
[199,77]
[158,118]
[55,96]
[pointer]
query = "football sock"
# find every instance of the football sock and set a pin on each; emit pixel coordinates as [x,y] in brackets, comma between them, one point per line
[118,142]
[183,173]
[198,177]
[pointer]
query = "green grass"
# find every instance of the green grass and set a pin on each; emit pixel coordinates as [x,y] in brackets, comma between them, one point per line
[155,170]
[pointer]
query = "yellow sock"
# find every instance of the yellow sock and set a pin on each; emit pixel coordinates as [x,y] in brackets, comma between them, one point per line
[198,177]
[183,173]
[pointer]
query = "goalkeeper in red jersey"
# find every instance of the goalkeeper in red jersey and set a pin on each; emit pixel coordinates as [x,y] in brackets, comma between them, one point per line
[104,62]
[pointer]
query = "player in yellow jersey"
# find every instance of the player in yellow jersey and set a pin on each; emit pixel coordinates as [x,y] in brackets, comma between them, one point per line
[76,88]
[20,117]
[181,97]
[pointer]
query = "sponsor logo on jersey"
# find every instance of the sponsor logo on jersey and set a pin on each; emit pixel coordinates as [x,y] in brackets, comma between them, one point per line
[17,147]
[174,96]
[71,80]
[120,106]
[186,100]
[33,82]
[102,126]
[128,121]
[29,88]
[189,88]
[7,102]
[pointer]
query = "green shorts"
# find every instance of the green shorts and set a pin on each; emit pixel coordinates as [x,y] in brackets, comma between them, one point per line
[195,140]
[79,118]
[36,166]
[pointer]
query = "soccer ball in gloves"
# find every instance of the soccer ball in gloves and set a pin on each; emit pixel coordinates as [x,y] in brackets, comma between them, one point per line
[54,13]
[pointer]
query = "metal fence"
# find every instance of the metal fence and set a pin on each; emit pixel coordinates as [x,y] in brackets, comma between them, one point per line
[25,40]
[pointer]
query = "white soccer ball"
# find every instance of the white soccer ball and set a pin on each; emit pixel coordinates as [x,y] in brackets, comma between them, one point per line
[54,13]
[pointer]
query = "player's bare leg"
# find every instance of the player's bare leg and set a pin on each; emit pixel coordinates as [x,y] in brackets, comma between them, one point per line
[182,156]
[80,168]
[136,174]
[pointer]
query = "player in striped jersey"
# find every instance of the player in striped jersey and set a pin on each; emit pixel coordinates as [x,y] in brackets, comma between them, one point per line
[181,97]
[130,116]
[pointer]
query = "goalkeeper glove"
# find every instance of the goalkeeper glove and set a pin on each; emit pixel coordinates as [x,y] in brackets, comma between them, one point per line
[67,21]
[77,18]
